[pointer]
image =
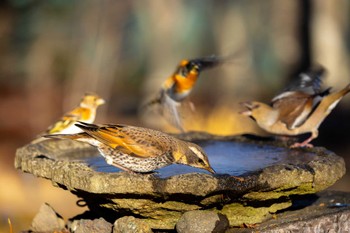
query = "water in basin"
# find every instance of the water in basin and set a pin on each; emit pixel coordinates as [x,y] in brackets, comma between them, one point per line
[226,157]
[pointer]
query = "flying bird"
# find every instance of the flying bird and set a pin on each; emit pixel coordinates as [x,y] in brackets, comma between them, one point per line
[178,87]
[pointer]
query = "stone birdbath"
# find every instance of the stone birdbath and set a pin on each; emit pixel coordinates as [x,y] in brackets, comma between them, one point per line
[255,179]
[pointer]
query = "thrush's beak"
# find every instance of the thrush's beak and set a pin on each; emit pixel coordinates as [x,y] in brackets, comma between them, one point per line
[211,170]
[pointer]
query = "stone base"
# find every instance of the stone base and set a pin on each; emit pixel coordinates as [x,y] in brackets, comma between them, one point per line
[329,211]
[255,179]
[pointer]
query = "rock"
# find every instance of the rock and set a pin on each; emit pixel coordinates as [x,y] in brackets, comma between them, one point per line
[249,215]
[199,221]
[328,211]
[129,224]
[47,220]
[90,226]
[270,175]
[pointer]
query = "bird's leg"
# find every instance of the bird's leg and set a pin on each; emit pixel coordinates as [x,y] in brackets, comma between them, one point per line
[111,162]
[124,169]
[306,143]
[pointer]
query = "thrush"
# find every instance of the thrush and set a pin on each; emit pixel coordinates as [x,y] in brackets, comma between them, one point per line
[300,109]
[179,85]
[85,112]
[137,149]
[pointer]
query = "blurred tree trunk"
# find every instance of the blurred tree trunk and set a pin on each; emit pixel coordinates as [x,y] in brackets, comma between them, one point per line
[98,48]
[329,25]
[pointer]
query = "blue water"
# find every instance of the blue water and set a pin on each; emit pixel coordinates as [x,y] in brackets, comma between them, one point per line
[233,158]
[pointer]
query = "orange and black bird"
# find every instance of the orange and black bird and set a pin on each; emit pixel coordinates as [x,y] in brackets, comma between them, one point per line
[138,149]
[179,85]
[300,109]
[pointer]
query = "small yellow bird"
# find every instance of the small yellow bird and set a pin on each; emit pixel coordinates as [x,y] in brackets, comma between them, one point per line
[179,85]
[85,112]
[137,149]
[299,109]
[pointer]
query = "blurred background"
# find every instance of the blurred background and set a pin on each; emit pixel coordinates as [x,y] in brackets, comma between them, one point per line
[52,52]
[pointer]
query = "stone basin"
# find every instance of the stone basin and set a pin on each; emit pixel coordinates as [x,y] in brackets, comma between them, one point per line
[254,179]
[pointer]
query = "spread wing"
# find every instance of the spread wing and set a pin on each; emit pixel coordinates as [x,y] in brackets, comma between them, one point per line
[308,82]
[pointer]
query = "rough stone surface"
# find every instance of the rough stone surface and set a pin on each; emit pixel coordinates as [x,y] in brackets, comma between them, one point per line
[91,226]
[329,211]
[129,224]
[199,221]
[162,200]
[47,220]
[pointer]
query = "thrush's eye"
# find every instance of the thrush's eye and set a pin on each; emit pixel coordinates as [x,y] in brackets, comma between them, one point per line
[200,161]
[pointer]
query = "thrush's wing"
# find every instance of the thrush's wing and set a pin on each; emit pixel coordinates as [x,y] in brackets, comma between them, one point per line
[131,140]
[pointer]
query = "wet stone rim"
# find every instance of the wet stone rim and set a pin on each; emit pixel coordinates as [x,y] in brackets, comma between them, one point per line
[57,161]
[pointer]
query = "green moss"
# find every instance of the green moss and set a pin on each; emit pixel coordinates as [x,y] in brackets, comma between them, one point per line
[149,206]
[239,214]
[166,223]
[212,199]
[157,215]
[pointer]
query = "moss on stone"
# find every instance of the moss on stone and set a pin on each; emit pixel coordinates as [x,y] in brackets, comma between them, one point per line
[284,191]
[239,214]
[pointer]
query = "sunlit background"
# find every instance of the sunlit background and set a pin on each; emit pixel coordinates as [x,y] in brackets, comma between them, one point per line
[52,52]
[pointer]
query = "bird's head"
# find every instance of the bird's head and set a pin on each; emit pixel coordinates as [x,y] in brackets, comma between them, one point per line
[195,66]
[187,68]
[262,113]
[193,155]
[91,101]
